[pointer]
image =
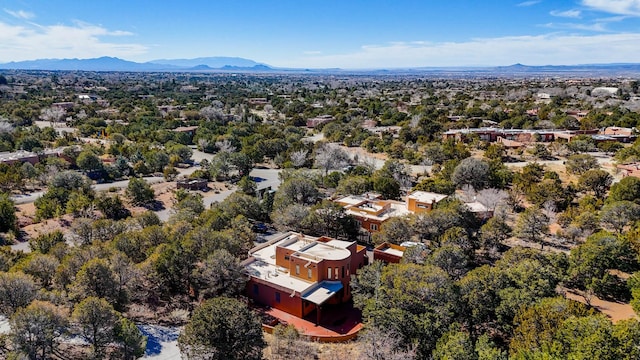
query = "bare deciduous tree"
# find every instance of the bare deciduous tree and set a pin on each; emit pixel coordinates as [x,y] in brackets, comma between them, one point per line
[5,126]
[491,198]
[329,157]
[212,114]
[53,114]
[298,158]
[379,344]
[225,146]
[468,194]
[549,208]
[203,143]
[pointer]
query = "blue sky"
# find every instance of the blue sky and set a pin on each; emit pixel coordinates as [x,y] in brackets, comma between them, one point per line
[327,33]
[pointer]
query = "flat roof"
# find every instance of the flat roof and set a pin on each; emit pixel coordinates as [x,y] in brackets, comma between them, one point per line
[22,154]
[392,251]
[276,275]
[304,246]
[351,200]
[476,206]
[424,196]
[317,251]
[397,209]
[322,292]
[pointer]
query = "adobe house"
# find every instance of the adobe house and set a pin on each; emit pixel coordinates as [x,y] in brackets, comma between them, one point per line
[189,130]
[192,184]
[372,212]
[423,201]
[319,120]
[303,275]
[389,253]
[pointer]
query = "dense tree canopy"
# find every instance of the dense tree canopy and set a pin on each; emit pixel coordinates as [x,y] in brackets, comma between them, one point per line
[222,328]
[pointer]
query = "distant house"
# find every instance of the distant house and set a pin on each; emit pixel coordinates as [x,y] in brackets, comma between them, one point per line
[258,102]
[87,97]
[615,130]
[66,105]
[630,169]
[369,123]
[578,114]
[423,201]
[382,130]
[480,210]
[301,275]
[189,130]
[372,212]
[523,136]
[192,184]
[185,129]
[510,144]
[319,120]
[620,134]
[22,156]
[388,253]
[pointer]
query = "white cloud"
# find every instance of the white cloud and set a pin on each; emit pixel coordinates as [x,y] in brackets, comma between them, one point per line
[568,13]
[532,50]
[79,40]
[612,19]
[20,14]
[619,7]
[596,27]
[529,3]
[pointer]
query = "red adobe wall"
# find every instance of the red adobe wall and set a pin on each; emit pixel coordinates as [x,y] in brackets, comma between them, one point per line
[304,265]
[267,296]
[366,222]
[380,254]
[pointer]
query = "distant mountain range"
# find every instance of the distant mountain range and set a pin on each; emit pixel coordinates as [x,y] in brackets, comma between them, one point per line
[236,64]
[115,64]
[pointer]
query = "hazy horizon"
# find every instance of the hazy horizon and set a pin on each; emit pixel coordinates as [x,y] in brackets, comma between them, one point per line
[328,34]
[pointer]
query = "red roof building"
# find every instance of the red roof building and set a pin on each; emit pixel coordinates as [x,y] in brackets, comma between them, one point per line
[300,274]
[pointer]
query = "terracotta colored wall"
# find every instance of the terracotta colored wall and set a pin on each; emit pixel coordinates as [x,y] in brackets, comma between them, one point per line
[412,205]
[365,223]
[267,296]
[386,257]
[304,275]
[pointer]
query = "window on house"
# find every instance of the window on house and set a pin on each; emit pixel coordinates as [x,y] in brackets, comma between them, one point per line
[373,227]
[336,273]
[286,257]
[328,273]
[309,273]
[256,289]
[343,271]
[297,269]
[277,297]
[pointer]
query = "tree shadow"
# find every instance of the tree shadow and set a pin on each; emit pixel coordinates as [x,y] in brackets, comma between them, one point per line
[155,205]
[156,336]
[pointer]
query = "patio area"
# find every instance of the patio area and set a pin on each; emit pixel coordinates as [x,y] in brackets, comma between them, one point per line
[339,323]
